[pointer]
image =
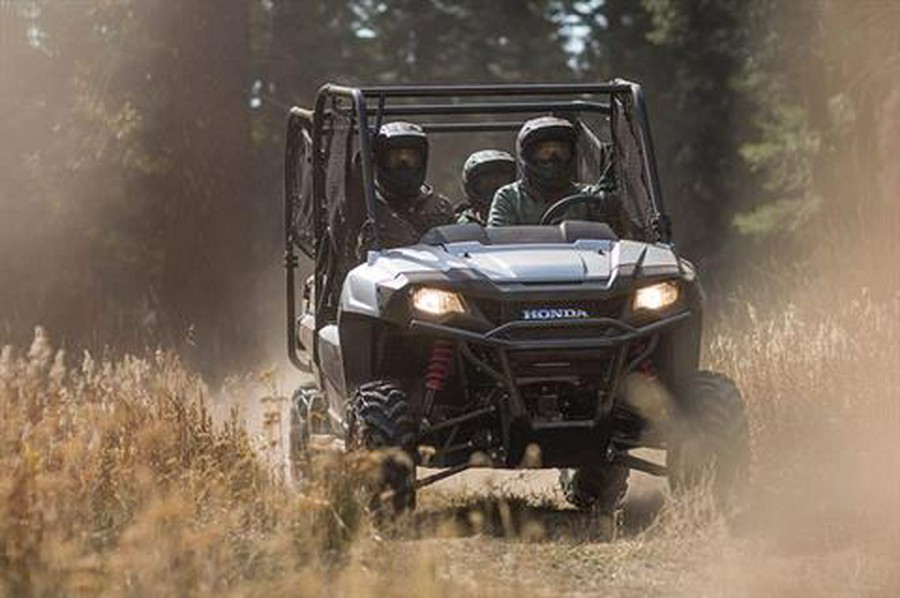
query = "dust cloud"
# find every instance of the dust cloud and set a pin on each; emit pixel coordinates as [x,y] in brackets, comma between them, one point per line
[815,355]
[817,359]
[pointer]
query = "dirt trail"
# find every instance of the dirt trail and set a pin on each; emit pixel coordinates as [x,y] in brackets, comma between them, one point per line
[541,547]
[502,533]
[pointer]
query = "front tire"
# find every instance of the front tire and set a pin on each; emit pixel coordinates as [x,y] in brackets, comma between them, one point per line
[307,417]
[380,422]
[599,490]
[599,487]
[711,438]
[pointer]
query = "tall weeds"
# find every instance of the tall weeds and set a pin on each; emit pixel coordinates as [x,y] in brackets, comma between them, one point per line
[820,381]
[114,479]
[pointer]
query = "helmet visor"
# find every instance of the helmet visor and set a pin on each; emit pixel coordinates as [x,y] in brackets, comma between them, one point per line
[551,150]
[404,158]
[486,185]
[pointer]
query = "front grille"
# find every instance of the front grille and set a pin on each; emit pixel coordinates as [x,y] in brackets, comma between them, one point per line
[499,312]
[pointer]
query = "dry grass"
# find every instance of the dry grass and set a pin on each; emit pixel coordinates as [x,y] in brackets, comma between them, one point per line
[115,480]
[818,377]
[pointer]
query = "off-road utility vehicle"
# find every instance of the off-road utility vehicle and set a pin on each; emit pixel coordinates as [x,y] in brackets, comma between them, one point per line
[558,345]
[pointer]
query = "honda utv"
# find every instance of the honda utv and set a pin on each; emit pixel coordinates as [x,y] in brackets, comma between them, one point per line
[558,345]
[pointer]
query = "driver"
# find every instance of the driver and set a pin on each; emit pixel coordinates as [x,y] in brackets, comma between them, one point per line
[483,173]
[406,206]
[546,153]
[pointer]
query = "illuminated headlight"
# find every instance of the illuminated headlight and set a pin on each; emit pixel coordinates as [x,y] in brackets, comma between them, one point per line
[656,297]
[437,302]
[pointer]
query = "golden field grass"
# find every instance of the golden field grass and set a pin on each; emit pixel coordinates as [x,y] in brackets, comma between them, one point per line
[115,480]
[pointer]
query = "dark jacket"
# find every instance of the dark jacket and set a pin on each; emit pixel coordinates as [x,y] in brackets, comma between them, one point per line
[399,227]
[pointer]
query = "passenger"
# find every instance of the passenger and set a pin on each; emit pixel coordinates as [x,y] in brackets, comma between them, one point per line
[484,172]
[545,150]
[406,206]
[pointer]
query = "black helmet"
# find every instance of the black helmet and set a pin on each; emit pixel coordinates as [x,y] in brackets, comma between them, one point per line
[401,158]
[486,171]
[546,150]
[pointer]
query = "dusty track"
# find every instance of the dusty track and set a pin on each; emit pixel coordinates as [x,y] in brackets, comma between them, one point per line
[510,533]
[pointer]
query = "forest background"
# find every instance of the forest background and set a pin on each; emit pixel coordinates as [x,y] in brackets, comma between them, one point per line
[141,141]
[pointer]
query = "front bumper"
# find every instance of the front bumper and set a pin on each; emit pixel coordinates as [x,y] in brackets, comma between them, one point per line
[569,442]
[610,333]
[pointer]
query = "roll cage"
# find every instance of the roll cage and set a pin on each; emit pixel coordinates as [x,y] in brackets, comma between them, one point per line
[329,160]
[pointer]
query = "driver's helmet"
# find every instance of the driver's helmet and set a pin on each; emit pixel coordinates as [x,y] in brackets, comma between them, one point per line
[484,172]
[546,150]
[401,158]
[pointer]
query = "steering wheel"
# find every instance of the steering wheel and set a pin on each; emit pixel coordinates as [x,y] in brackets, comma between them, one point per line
[553,214]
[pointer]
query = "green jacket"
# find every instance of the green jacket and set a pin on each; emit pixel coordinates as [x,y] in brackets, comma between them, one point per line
[514,205]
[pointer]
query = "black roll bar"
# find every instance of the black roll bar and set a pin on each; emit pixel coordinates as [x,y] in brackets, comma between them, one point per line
[358,97]
[640,106]
[533,89]
[617,86]
[299,122]
[493,108]
[469,127]
[486,127]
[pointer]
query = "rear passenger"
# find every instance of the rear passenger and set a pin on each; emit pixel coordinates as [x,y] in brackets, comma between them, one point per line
[484,172]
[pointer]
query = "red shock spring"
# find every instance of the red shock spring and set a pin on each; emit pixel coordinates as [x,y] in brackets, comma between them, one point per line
[439,365]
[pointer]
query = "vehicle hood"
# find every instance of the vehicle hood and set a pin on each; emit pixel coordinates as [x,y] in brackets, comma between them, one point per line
[551,265]
[581,261]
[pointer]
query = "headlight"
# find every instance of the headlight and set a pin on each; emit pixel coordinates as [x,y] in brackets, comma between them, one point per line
[656,297]
[437,302]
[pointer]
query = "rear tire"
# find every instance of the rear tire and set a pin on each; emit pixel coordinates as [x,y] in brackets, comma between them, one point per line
[710,440]
[380,422]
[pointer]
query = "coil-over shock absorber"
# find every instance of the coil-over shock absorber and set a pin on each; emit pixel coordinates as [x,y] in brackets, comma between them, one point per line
[440,364]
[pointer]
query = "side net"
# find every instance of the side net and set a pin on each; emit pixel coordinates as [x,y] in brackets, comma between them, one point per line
[594,151]
[300,186]
[632,178]
[343,208]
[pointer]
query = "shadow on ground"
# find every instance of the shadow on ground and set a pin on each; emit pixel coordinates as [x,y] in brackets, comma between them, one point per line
[520,518]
